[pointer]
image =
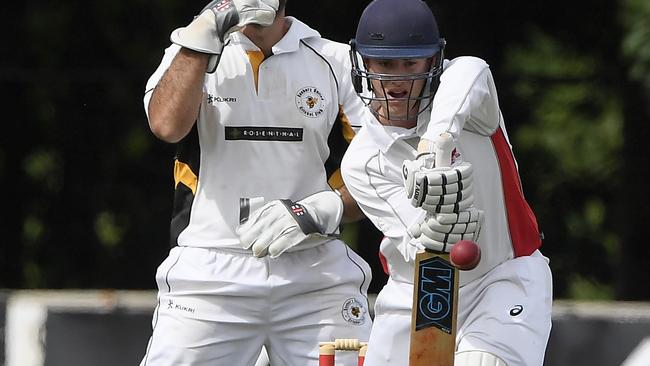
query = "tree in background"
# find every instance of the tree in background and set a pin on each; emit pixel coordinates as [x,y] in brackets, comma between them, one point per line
[634,202]
[570,145]
[584,147]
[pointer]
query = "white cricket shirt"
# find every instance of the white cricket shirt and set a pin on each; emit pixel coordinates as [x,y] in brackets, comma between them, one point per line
[466,105]
[274,131]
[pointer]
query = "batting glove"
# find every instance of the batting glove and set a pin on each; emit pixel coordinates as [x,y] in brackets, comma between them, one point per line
[439,232]
[438,190]
[208,31]
[283,225]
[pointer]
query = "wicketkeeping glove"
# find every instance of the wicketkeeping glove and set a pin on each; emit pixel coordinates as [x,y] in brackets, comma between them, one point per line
[281,225]
[439,232]
[209,30]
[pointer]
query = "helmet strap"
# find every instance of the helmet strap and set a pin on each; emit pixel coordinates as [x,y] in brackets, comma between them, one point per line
[357,83]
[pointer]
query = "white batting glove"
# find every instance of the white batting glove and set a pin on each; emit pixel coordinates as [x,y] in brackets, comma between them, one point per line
[209,30]
[439,232]
[438,190]
[283,225]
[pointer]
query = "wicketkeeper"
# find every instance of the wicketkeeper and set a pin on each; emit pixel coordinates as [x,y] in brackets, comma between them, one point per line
[262,109]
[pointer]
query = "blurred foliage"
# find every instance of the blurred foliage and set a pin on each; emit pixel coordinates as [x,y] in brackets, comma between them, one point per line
[584,289]
[633,213]
[636,47]
[88,188]
[108,231]
[571,142]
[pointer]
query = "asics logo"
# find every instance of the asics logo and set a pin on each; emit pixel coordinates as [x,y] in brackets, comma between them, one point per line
[518,309]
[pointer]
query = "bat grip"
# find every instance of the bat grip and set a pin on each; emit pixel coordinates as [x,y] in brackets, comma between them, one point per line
[444,146]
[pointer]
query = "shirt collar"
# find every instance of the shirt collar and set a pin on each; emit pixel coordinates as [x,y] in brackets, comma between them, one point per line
[297,32]
[289,43]
[386,136]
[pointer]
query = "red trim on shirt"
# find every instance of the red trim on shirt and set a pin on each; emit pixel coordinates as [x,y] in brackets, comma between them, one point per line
[522,223]
[384,263]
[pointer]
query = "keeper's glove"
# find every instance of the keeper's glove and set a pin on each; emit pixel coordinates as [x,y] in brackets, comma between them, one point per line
[282,225]
[439,232]
[209,30]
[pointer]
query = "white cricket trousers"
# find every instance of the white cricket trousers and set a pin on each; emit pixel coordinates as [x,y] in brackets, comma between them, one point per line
[507,312]
[219,307]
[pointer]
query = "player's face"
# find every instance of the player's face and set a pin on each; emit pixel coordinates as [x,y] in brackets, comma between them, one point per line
[400,94]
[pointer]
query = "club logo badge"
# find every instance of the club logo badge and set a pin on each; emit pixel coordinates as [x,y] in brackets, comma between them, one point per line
[310,102]
[353,312]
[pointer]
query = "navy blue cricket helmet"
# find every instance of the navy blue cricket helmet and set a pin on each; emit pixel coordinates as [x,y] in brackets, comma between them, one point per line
[397,29]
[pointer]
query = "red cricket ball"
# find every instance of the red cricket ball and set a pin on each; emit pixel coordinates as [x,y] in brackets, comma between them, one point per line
[465,255]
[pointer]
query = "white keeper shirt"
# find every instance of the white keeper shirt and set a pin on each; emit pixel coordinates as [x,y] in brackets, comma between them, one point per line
[465,105]
[273,128]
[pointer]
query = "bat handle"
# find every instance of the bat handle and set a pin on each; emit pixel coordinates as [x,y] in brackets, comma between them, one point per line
[444,146]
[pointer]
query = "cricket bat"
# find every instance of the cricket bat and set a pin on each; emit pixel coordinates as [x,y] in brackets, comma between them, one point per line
[435,295]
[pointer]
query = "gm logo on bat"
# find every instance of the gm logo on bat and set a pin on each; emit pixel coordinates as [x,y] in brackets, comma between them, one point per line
[435,295]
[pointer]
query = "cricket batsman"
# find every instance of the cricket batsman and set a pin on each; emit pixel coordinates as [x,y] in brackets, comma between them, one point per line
[399,70]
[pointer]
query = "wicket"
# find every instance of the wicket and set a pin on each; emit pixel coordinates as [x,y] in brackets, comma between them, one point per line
[328,350]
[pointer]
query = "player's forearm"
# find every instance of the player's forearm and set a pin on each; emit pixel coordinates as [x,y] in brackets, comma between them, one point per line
[469,102]
[176,99]
[351,211]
